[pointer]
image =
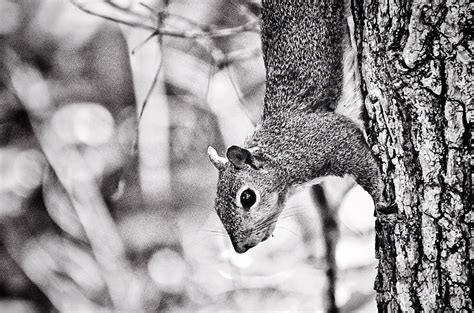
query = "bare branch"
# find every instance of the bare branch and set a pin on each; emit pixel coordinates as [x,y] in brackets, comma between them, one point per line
[252,26]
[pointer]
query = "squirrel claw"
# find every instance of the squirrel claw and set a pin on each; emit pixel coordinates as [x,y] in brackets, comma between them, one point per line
[386,213]
[385,208]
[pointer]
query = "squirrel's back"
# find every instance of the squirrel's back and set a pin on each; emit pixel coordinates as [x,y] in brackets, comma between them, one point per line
[304,68]
[303,75]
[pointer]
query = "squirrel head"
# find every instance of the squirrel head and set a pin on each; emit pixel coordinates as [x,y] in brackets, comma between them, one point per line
[250,195]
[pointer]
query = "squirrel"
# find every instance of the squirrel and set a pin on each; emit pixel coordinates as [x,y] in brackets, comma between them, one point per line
[310,127]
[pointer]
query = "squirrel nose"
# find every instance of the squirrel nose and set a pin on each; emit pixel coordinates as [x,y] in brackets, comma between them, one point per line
[241,247]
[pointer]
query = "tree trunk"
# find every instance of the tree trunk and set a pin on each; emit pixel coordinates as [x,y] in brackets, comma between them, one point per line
[416,78]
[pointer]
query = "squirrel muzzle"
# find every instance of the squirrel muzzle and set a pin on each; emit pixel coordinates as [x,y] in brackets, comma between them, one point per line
[249,239]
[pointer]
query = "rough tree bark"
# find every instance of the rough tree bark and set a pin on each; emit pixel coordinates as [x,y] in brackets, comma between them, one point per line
[416,72]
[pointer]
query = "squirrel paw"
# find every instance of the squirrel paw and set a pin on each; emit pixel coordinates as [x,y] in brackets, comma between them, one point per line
[387,208]
[386,211]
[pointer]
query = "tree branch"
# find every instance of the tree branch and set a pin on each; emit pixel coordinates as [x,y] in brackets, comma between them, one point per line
[251,26]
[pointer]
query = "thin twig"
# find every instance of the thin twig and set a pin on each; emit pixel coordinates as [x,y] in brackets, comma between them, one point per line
[252,26]
[141,44]
[178,17]
[153,83]
[148,94]
[161,18]
[82,6]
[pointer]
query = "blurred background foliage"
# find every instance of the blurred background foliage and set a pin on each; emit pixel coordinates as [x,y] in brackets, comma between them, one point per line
[97,216]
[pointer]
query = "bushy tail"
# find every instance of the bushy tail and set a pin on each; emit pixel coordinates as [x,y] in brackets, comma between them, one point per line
[350,103]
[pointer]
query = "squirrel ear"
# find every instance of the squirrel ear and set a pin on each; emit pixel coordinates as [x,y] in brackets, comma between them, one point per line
[216,160]
[238,156]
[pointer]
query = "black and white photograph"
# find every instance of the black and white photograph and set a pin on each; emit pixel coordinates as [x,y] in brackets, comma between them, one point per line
[236,156]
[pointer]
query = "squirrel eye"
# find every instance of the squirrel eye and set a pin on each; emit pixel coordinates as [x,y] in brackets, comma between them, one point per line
[248,198]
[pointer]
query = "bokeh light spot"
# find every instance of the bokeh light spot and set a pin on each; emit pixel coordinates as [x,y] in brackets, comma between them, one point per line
[21,171]
[93,124]
[168,270]
[87,123]
[28,168]
[10,17]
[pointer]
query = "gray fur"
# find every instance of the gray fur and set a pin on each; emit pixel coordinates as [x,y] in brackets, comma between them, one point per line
[300,136]
[302,49]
